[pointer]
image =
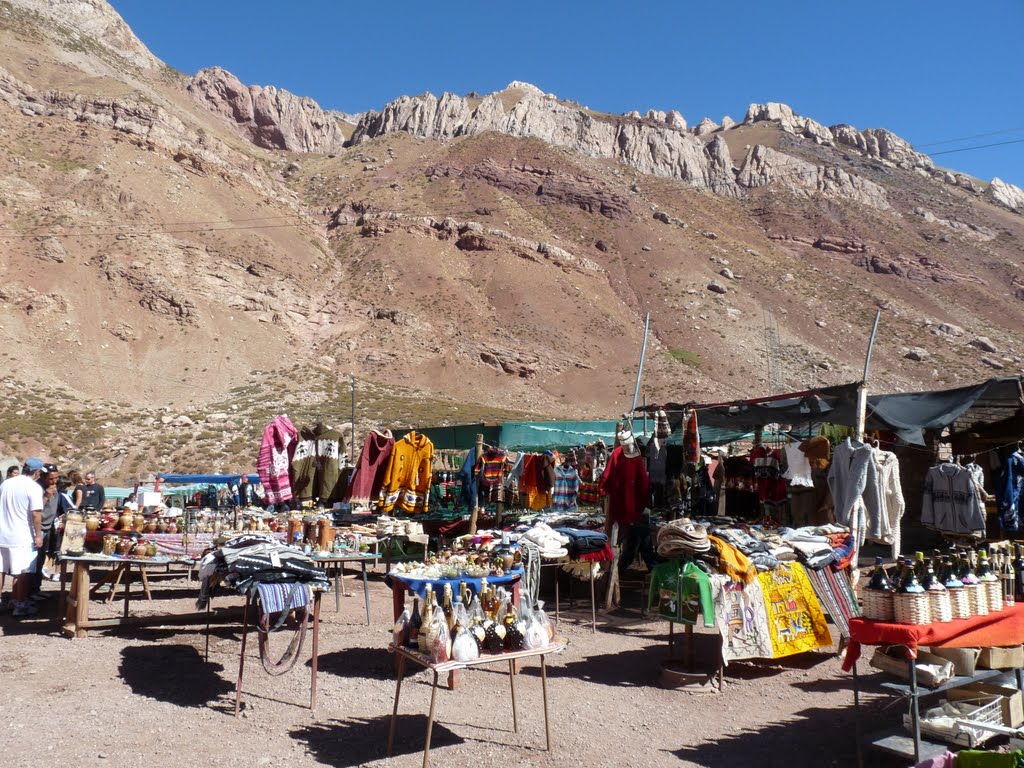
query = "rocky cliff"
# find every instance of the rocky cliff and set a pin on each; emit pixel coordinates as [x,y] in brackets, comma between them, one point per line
[268,117]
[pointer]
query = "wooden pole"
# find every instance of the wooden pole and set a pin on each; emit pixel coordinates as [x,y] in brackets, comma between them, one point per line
[862,408]
[475,501]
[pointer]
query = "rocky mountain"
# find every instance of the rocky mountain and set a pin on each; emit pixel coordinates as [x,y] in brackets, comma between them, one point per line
[180,247]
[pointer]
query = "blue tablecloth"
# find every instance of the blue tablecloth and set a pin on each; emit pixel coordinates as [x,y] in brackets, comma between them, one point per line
[419,586]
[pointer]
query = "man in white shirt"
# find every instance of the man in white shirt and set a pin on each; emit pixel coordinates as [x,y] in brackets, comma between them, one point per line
[21,531]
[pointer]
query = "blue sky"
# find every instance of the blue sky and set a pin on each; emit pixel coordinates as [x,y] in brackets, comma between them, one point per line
[928,71]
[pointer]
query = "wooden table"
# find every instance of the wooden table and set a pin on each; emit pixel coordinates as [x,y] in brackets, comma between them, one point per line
[407,654]
[76,607]
[339,560]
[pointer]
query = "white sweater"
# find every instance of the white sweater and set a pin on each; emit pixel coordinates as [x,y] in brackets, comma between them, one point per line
[853,480]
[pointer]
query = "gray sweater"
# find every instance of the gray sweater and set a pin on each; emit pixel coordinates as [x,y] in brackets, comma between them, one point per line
[951,501]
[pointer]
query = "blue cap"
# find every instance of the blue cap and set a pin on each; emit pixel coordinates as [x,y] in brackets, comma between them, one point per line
[33,465]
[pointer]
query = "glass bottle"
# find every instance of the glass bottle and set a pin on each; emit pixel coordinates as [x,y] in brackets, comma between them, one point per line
[1008,578]
[910,584]
[424,639]
[919,566]
[879,581]
[446,606]
[1018,572]
[415,623]
[929,580]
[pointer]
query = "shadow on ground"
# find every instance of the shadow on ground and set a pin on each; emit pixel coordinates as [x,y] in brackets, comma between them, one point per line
[357,741]
[820,737]
[175,674]
[373,663]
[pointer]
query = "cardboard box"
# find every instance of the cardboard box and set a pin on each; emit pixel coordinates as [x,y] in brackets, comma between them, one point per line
[965,660]
[1010,657]
[1011,700]
[894,661]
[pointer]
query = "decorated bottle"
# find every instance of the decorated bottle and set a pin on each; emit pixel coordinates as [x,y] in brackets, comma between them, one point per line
[415,623]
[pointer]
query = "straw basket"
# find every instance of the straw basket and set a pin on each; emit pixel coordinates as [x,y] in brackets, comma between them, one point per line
[878,605]
[961,602]
[942,605]
[912,608]
[977,596]
[995,595]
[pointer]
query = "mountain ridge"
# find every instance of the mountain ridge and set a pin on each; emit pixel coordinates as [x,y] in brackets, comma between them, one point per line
[196,246]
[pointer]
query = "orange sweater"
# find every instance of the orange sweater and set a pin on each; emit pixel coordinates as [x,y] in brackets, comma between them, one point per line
[407,476]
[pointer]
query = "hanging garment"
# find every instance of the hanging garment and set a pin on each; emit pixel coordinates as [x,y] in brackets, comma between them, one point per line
[682,592]
[369,475]
[467,478]
[408,475]
[818,451]
[567,487]
[662,427]
[771,488]
[733,563]
[853,480]
[741,497]
[691,440]
[316,464]
[742,619]
[798,468]
[950,501]
[890,495]
[274,459]
[627,486]
[1010,492]
[657,458]
[492,467]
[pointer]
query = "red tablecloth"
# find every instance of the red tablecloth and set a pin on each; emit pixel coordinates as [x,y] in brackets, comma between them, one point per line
[1005,627]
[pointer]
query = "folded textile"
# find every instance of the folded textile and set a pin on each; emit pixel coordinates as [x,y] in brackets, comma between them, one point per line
[733,563]
[281,597]
[681,537]
[582,542]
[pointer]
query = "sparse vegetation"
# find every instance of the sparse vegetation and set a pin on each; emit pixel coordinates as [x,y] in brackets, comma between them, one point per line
[686,357]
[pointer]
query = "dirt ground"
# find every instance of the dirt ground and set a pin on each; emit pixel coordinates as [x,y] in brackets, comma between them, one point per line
[119,698]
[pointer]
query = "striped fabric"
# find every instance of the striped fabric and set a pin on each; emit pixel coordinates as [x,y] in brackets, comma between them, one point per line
[836,596]
[567,486]
[274,597]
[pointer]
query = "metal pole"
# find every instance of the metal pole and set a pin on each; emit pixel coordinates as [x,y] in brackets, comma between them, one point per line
[353,446]
[640,370]
[862,393]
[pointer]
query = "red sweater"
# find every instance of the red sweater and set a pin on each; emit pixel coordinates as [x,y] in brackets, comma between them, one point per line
[627,486]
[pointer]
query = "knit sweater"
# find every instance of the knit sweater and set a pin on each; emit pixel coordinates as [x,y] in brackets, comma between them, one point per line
[627,486]
[890,496]
[951,501]
[369,475]
[316,464]
[1010,492]
[853,480]
[408,474]
[274,459]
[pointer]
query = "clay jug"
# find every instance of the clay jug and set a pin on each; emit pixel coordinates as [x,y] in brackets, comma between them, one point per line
[141,549]
[126,521]
[138,522]
[161,526]
[124,546]
[110,544]
[92,522]
[149,527]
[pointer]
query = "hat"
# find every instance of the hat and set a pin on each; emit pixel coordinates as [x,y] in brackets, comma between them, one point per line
[33,465]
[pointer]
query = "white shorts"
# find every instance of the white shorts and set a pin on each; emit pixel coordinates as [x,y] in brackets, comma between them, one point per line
[18,560]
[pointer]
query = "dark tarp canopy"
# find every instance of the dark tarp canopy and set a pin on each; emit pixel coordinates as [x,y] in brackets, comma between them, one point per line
[907,414]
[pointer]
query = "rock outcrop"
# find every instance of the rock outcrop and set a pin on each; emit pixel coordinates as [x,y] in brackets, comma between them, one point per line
[268,117]
[71,20]
[763,166]
[650,148]
[790,122]
[1006,194]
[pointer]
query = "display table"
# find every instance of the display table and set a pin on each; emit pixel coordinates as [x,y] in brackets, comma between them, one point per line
[76,607]
[336,562]
[405,655]
[179,546]
[1001,628]
[1005,627]
[400,584]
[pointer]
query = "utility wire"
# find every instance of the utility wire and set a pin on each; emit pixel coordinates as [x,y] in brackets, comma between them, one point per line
[979,146]
[973,136]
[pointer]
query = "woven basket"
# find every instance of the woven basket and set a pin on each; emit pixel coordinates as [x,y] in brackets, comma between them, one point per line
[995,595]
[978,597]
[912,608]
[961,601]
[942,605]
[878,605]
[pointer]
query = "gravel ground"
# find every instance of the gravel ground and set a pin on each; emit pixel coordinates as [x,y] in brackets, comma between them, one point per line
[120,697]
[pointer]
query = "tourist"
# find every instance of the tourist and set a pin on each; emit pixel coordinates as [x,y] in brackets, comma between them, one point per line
[13,472]
[244,492]
[233,494]
[21,532]
[77,481]
[93,494]
[54,504]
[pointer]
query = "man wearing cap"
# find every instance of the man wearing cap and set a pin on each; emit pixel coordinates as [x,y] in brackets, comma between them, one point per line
[21,531]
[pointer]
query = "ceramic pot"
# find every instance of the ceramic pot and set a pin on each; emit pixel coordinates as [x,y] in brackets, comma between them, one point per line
[151,549]
[161,526]
[110,544]
[141,549]
[149,527]
[92,522]
[124,546]
[126,521]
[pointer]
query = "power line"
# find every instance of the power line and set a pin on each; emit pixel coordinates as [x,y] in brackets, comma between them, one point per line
[979,146]
[972,136]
